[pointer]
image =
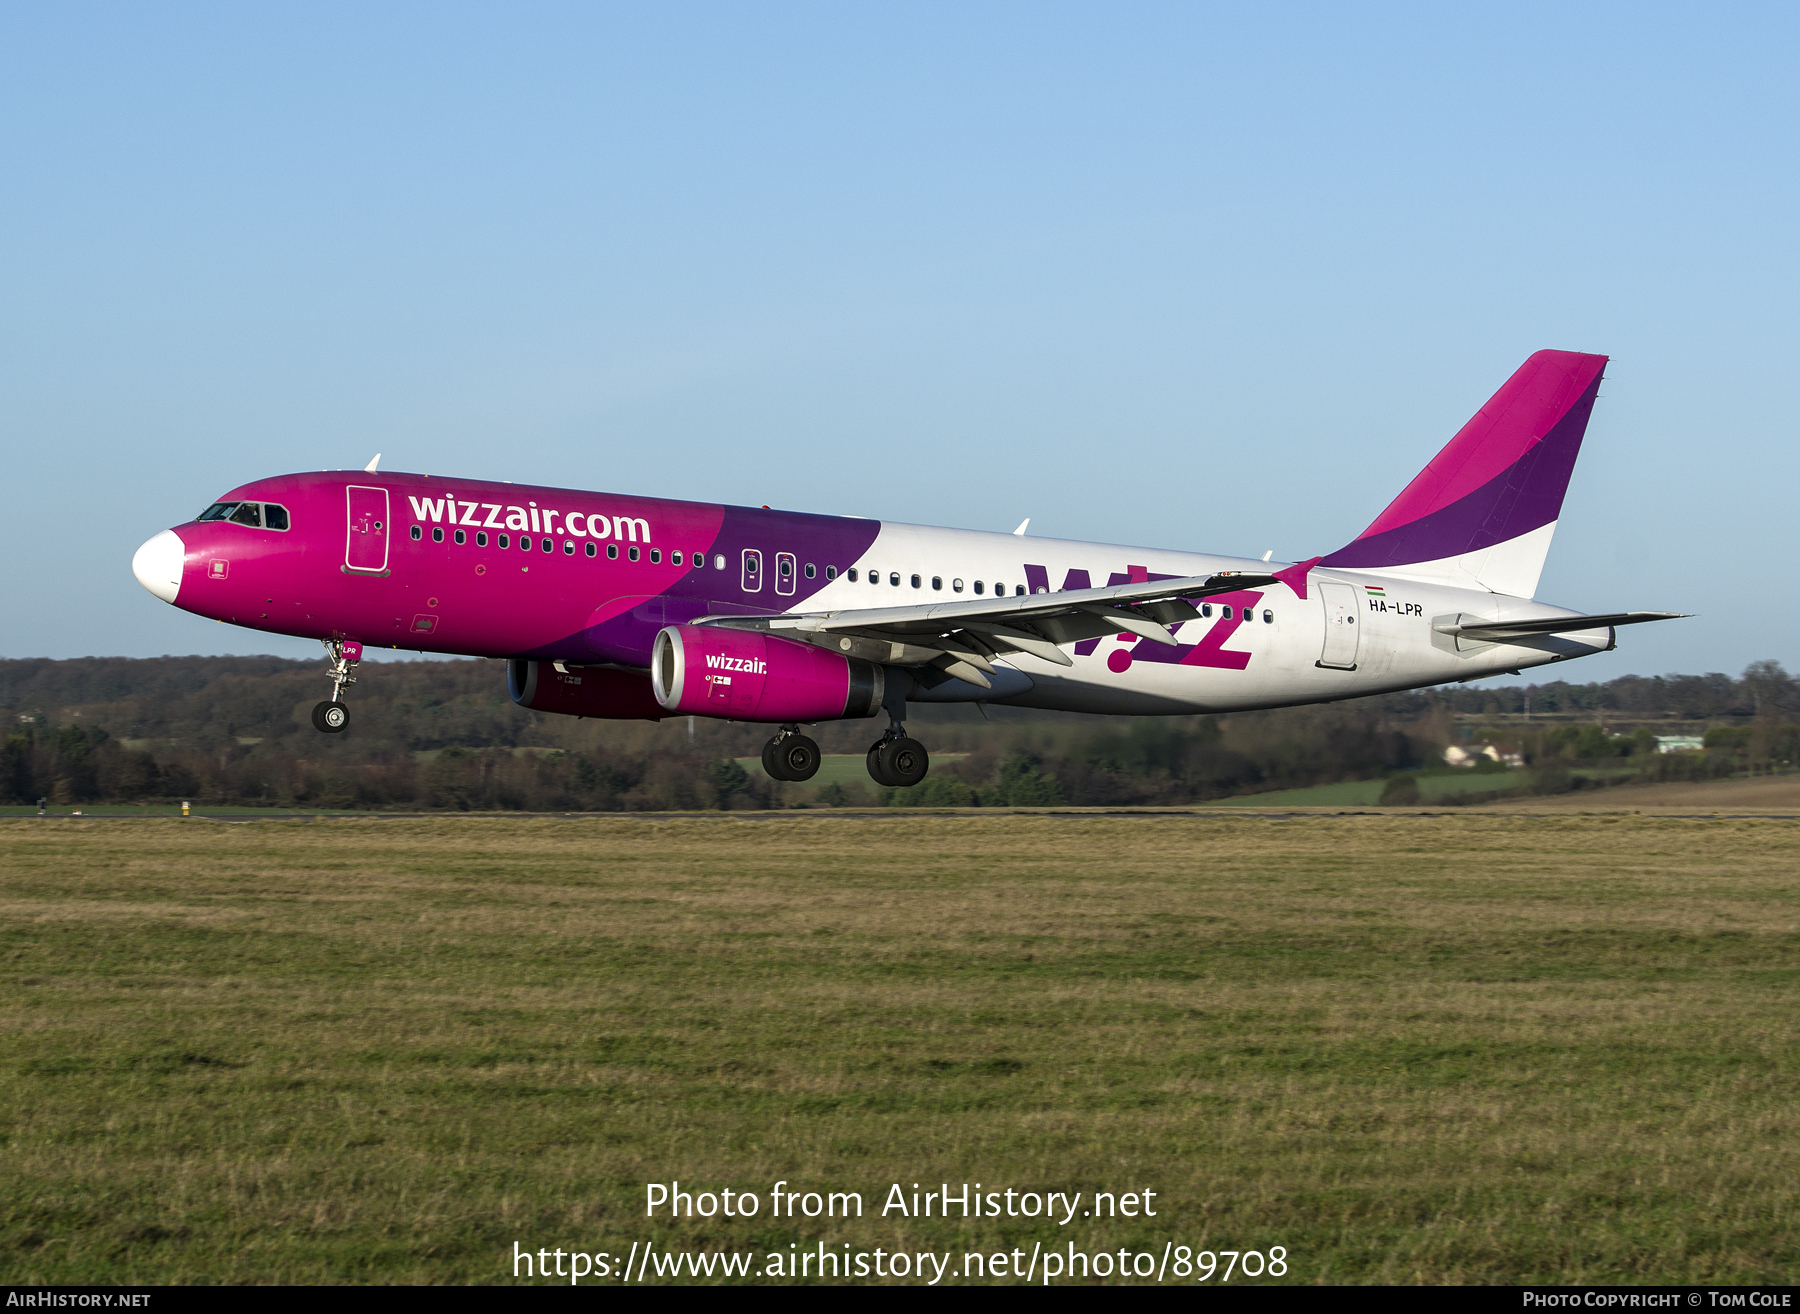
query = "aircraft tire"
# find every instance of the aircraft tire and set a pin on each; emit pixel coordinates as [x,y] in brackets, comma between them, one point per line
[904,761]
[876,771]
[330,717]
[798,756]
[771,765]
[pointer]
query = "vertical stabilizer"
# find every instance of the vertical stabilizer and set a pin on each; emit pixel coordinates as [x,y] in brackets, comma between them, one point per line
[1482,513]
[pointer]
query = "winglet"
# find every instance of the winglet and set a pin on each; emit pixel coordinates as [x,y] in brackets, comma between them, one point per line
[1020,531]
[370,467]
[1295,576]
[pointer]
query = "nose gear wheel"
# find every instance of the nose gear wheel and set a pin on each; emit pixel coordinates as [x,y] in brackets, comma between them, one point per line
[331,716]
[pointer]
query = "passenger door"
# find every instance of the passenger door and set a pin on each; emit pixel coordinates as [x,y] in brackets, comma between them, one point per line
[366,541]
[1340,626]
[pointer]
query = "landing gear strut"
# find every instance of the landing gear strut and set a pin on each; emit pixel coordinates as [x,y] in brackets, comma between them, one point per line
[790,755]
[332,715]
[895,759]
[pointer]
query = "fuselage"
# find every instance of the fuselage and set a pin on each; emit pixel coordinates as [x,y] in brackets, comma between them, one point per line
[433,564]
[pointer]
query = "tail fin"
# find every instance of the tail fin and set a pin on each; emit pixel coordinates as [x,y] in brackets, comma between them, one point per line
[1483,511]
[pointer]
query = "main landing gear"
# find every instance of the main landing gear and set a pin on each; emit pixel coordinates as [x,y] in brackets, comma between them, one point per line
[790,755]
[895,759]
[332,715]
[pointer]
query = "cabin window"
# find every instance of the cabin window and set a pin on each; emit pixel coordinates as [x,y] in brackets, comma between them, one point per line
[784,564]
[1225,610]
[655,556]
[999,590]
[612,551]
[502,540]
[461,538]
[275,517]
[1268,618]
[632,553]
[894,578]
[718,561]
[568,547]
[956,586]
[1206,609]
[978,586]
[831,572]
[937,582]
[549,545]
[675,557]
[812,571]
[916,581]
[852,575]
[481,538]
[437,534]
[874,577]
[417,533]
[592,550]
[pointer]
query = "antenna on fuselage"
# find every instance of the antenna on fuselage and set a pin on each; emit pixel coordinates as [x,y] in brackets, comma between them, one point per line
[370,467]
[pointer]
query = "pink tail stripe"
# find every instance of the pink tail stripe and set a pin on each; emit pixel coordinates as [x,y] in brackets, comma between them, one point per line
[1516,418]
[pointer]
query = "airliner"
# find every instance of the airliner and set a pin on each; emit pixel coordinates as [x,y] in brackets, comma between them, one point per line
[609,605]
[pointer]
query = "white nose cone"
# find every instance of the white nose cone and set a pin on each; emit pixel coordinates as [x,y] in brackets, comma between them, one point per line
[157,564]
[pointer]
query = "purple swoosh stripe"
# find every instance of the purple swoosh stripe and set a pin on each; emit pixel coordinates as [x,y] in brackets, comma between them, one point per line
[821,540]
[1527,495]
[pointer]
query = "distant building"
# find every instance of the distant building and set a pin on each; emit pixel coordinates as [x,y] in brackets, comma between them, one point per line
[1680,744]
[1458,756]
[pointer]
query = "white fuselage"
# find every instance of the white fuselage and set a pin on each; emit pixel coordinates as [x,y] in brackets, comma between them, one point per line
[1356,632]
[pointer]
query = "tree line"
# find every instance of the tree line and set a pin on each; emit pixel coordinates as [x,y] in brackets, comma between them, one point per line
[444,735]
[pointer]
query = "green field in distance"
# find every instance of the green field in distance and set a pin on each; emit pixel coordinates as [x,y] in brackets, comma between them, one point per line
[1465,1048]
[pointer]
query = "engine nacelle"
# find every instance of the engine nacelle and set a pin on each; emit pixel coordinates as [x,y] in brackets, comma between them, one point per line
[747,675]
[595,691]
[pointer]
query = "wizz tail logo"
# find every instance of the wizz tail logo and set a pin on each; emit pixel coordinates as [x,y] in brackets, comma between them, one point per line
[1234,609]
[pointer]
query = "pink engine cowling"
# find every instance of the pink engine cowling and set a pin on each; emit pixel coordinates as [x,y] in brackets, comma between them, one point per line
[747,675]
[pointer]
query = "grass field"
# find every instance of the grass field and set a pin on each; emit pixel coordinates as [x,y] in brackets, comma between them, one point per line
[1475,1048]
[1437,788]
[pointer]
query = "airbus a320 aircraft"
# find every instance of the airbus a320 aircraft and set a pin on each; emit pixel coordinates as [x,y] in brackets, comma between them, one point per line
[608,605]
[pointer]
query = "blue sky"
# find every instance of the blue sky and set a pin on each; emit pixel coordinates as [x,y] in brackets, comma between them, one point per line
[1220,279]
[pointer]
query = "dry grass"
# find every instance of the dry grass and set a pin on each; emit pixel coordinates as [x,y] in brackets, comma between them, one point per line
[1474,1048]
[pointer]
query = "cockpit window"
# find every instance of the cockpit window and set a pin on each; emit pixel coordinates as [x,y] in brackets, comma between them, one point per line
[274,517]
[248,513]
[217,511]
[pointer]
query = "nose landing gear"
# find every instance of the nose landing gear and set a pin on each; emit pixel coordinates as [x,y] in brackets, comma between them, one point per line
[332,715]
[790,755]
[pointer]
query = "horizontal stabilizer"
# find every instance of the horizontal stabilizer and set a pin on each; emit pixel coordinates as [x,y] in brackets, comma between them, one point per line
[1495,631]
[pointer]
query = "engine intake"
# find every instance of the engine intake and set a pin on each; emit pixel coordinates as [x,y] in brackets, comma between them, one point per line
[746,675]
[595,691]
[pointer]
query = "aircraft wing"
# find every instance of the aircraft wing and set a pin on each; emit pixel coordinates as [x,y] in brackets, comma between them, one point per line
[962,638]
[1496,631]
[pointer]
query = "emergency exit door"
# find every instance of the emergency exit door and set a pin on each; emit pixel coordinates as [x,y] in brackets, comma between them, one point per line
[1340,626]
[366,542]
